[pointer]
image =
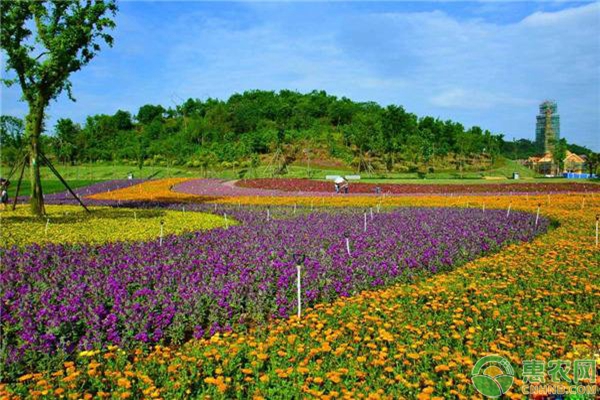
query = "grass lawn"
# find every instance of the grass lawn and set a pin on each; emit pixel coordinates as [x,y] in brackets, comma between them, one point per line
[86,174]
[48,185]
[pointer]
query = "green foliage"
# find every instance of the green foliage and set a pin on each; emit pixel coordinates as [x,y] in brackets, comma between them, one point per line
[559,152]
[11,138]
[206,134]
[66,36]
[44,43]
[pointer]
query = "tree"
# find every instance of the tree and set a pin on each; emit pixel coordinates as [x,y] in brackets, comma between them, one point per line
[559,152]
[66,139]
[122,120]
[592,162]
[45,42]
[149,113]
[11,138]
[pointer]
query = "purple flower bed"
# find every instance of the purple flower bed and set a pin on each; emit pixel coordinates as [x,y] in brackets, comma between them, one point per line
[61,297]
[63,198]
[101,187]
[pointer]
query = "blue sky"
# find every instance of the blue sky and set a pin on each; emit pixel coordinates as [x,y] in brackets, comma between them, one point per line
[488,64]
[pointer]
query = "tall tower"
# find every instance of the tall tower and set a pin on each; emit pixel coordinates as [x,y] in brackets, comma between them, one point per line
[547,127]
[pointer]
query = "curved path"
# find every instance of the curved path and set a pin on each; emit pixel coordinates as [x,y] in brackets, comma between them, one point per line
[222,188]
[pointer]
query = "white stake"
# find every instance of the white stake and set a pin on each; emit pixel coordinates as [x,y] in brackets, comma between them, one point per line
[47,224]
[294,208]
[268,214]
[365,225]
[508,212]
[371,211]
[226,222]
[299,287]
[348,245]
[537,217]
[582,203]
[378,207]
[183,209]
[483,208]
[160,241]
[597,219]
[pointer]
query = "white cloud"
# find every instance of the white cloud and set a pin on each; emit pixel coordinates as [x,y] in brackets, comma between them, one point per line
[470,70]
[476,71]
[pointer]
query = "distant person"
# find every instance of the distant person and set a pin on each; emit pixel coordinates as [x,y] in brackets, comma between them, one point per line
[344,187]
[341,185]
[4,193]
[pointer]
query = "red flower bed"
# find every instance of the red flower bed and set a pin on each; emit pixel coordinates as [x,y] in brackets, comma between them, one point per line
[307,185]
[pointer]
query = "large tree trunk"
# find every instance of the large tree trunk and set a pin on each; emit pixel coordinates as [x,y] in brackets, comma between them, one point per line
[35,121]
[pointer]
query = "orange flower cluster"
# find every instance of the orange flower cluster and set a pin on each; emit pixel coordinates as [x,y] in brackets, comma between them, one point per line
[159,190]
[536,300]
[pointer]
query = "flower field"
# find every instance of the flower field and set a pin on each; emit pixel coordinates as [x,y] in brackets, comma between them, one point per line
[71,224]
[424,293]
[102,187]
[149,191]
[307,185]
[206,282]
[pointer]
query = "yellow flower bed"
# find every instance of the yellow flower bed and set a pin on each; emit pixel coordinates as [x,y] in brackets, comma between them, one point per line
[154,190]
[71,224]
[537,300]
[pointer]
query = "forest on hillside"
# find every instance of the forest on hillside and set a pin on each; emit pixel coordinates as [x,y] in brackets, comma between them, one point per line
[289,125]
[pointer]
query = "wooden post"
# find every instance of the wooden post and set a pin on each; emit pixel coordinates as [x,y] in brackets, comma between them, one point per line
[49,164]
[160,241]
[597,220]
[299,293]
[347,244]
[24,162]
[299,261]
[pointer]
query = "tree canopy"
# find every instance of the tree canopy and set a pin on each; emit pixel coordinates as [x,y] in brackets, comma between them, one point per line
[45,42]
[247,125]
